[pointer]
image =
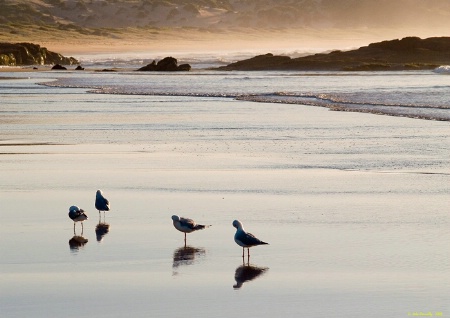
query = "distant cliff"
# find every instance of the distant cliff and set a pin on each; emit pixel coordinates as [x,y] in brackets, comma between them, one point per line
[15,54]
[411,53]
[223,14]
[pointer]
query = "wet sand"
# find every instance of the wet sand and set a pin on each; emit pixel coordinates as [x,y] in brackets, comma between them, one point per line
[346,239]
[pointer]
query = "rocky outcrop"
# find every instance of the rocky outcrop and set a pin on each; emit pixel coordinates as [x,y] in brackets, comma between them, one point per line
[411,53]
[258,62]
[168,64]
[184,67]
[16,54]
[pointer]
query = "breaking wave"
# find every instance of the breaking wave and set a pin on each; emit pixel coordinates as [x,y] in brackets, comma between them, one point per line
[420,97]
[444,69]
[338,103]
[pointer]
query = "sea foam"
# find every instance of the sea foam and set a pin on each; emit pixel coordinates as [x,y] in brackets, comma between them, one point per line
[443,69]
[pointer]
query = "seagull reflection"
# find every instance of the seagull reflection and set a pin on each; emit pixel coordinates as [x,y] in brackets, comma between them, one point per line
[76,242]
[186,255]
[101,230]
[246,273]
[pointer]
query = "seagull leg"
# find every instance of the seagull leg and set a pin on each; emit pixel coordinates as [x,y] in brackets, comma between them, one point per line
[243,249]
[73,228]
[82,228]
[184,239]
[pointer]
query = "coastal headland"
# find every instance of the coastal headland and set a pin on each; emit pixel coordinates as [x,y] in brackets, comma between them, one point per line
[410,53]
[18,54]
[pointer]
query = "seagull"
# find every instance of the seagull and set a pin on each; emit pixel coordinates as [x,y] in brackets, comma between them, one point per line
[101,203]
[245,239]
[186,225]
[77,215]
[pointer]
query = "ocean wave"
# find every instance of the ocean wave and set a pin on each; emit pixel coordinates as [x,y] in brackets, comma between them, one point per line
[135,61]
[413,101]
[429,112]
[330,99]
[119,91]
[443,69]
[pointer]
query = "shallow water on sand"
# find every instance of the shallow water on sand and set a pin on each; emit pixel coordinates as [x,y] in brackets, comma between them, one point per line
[354,206]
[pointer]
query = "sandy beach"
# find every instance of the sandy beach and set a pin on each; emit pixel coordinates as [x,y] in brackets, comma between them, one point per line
[354,206]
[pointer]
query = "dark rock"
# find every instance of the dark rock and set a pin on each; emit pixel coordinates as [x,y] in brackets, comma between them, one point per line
[15,54]
[260,62]
[168,64]
[409,53]
[58,67]
[79,68]
[184,67]
[149,67]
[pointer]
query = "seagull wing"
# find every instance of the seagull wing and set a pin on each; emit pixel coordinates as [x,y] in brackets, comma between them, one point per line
[249,239]
[101,203]
[187,223]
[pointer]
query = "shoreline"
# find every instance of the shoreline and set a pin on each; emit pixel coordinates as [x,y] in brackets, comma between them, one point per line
[437,114]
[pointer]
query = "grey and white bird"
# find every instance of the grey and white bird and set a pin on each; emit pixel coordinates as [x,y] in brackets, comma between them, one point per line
[245,239]
[77,215]
[101,203]
[186,225]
